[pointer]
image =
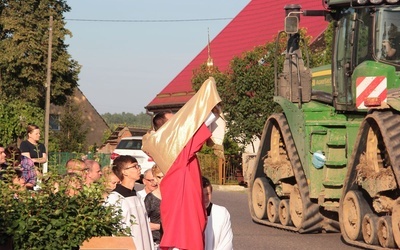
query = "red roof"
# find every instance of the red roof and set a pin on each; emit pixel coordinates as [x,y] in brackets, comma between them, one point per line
[256,24]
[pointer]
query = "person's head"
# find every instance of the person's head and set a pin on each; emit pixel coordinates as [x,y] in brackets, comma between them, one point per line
[2,155]
[76,166]
[158,175]
[207,191]
[73,183]
[126,166]
[111,180]
[149,181]
[160,118]
[13,156]
[33,132]
[93,172]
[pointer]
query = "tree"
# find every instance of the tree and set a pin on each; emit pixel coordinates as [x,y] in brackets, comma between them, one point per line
[24,38]
[321,49]
[247,87]
[140,120]
[72,134]
[24,34]
[248,96]
[204,72]
[246,90]
[53,218]
[14,118]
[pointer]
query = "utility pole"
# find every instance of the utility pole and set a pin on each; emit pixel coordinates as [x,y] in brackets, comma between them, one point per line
[48,83]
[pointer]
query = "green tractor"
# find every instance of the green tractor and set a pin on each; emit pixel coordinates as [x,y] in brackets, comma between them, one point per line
[330,161]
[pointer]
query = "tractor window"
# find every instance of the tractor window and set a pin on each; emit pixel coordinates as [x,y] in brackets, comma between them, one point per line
[387,39]
[343,57]
[363,39]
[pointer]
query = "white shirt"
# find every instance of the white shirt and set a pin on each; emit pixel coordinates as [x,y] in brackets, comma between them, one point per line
[142,193]
[132,209]
[218,233]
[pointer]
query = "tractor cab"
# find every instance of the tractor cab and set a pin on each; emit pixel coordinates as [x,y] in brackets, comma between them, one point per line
[366,56]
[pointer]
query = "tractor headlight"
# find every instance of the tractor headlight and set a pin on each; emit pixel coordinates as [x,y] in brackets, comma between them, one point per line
[361,1]
[376,1]
[392,1]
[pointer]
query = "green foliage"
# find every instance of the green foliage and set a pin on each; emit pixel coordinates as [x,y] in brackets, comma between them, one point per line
[15,116]
[24,38]
[106,135]
[230,147]
[203,73]
[141,120]
[24,35]
[246,90]
[72,134]
[321,53]
[248,95]
[52,219]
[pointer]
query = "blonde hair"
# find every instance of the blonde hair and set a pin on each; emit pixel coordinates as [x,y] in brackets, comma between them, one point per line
[106,171]
[155,170]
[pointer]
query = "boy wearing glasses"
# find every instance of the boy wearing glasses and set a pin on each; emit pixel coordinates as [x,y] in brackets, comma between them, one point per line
[124,196]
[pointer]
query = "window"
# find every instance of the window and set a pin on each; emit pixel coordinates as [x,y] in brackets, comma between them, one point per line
[388,31]
[54,122]
[135,144]
[343,63]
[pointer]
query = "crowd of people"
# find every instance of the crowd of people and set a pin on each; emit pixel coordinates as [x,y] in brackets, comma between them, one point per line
[174,209]
[140,210]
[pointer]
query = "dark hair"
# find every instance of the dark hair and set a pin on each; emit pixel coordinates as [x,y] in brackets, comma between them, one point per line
[206,182]
[18,172]
[31,127]
[120,163]
[159,119]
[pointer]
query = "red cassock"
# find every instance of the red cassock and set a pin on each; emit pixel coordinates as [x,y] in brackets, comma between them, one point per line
[183,214]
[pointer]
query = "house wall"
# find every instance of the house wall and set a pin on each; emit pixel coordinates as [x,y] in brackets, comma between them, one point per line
[95,124]
[93,120]
[109,146]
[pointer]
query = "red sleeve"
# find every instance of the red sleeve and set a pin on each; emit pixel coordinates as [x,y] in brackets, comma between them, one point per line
[196,143]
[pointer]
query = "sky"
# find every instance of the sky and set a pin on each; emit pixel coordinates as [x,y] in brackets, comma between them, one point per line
[130,50]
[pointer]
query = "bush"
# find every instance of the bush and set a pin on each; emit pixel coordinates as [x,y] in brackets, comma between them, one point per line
[52,219]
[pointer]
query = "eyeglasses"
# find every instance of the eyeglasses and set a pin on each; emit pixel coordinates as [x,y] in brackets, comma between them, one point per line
[134,166]
[150,180]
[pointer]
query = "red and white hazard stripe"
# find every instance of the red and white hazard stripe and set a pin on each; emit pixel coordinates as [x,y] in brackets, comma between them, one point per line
[370,87]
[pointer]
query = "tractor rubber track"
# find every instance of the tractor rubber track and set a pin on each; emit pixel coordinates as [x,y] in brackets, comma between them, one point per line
[388,123]
[312,219]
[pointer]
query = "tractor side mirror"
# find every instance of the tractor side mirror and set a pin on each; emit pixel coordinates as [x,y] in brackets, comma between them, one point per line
[291,24]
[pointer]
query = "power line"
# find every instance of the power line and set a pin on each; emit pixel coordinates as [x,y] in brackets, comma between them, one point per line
[148,21]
